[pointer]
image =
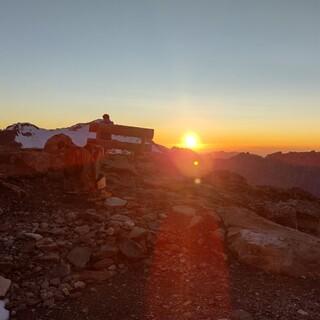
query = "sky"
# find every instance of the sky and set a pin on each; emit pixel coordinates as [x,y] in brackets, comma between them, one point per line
[242,74]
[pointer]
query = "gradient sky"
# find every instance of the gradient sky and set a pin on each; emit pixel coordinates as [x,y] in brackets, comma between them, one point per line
[243,74]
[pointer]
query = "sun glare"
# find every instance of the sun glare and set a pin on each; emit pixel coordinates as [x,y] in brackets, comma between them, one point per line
[191,140]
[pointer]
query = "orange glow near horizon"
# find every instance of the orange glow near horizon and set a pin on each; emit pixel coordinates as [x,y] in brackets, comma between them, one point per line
[261,141]
[224,135]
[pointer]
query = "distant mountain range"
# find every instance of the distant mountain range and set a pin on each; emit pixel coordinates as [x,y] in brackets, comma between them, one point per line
[286,170]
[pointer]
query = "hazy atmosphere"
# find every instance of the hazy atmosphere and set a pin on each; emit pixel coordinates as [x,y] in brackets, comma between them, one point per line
[160,160]
[242,74]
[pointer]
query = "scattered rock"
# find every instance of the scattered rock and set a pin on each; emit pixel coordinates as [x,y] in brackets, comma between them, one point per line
[103,264]
[79,285]
[49,257]
[302,312]
[115,202]
[4,286]
[185,210]
[82,230]
[34,236]
[241,315]
[108,250]
[94,275]
[131,249]
[137,232]
[79,256]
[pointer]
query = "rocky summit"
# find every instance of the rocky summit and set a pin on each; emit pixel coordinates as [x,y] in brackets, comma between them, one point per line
[155,243]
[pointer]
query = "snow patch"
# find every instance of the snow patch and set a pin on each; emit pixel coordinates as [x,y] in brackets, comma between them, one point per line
[32,137]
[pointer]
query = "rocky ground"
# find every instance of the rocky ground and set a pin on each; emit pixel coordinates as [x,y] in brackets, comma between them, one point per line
[158,245]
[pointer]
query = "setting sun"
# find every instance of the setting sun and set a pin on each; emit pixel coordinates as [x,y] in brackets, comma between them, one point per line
[191,140]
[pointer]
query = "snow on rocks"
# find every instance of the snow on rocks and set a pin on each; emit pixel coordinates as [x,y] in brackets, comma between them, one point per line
[30,136]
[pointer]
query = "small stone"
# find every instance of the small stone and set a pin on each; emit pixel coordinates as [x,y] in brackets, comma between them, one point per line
[128,225]
[33,236]
[65,291]
[82,230]
[49,303]
[79,256]
[4,286]
[131,249]
[79,285]
[55,282]
[137,232]
[110,231]
[163,216]
[185,210]
[85,310]
[61,270]
[50,257]
[44,225]
[103,264]
[94,275]
[302,312]
[45,284]
[108,250]
[115,202]
[241,315]
[113,267]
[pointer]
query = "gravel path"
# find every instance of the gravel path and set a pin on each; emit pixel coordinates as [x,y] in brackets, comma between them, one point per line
[189,280]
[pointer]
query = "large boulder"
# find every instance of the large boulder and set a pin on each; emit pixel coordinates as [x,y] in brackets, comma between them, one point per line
[300,214]
[261,243]
[29,162]
[58,143]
